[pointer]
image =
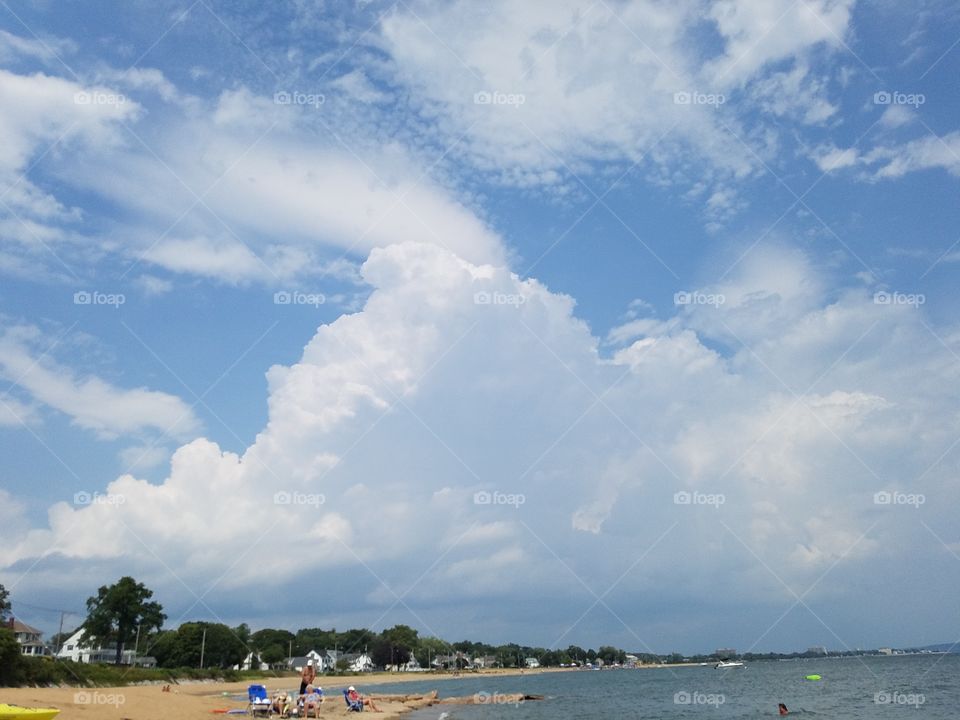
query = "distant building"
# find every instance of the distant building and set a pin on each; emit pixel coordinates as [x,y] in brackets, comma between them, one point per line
[725,652]
[29,639]
[77,649]
[321,662]
[531,662]
[249,662]
[886,651]
[817,650]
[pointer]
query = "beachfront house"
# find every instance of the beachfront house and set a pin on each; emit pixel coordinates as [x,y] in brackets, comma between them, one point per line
[321,662]
[29,639]
[252,662]
[359,662]
[411,665]
[531,662]
[77,649]
[485,661]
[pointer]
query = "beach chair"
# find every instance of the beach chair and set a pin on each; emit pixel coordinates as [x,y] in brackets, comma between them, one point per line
[259,701]
[355,706]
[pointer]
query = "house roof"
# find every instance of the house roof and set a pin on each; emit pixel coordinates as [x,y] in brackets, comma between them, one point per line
[20,627]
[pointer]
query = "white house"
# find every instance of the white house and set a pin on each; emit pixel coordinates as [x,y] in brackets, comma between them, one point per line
[360,663]
[74,648]
[248,664]
[532,662]
[321,663]
[29,639]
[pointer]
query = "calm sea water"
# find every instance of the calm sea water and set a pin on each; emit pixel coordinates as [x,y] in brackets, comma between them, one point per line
[851,688]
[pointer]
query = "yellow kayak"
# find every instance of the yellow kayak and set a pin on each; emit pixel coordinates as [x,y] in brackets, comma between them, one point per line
[15,712]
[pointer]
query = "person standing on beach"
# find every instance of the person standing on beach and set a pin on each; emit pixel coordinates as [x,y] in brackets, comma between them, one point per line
[307,677]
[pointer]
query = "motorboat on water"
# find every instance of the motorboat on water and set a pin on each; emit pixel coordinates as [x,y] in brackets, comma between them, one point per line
[728,664]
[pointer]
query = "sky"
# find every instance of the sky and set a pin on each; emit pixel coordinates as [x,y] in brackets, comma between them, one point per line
[628,323]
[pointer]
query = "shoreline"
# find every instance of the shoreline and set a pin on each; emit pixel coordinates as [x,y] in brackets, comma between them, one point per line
[194,699]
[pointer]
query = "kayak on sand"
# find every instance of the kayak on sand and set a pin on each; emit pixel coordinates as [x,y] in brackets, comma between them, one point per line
[15,712]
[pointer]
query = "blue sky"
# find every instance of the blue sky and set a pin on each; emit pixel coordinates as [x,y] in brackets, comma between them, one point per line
[679,276]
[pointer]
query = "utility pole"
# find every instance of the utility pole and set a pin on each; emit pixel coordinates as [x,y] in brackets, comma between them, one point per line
[203,646]
[60,633]
[136,648]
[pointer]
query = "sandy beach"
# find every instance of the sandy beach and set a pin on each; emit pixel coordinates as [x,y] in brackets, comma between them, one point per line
[197,700]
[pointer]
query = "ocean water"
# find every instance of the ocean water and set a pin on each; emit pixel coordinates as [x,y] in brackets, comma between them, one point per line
[852,688]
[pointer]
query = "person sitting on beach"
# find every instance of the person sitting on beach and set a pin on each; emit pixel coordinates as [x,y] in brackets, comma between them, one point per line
[312,700]
[353,696]
[783,709]
[280,704]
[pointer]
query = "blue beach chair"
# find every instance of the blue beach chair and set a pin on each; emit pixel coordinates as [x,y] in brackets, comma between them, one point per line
[355,706]
[259,702]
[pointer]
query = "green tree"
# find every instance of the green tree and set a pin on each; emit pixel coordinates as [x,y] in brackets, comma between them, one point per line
[318,639]
[116,611]
[4,604]
[428,648]
[218,644]
[272,645]
[11,661]
[165,648]
[355,640]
